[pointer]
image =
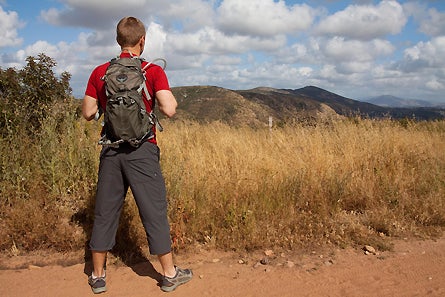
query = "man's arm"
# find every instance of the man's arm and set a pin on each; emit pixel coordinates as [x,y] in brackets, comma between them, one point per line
[89,107]
[167,102]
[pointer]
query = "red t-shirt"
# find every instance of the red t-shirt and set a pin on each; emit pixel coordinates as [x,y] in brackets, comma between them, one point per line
[156,80]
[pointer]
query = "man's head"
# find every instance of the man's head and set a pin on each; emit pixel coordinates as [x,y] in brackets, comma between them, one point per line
[130,32]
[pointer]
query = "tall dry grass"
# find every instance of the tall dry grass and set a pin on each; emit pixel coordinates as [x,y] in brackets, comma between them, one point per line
[349,182]
[47,182]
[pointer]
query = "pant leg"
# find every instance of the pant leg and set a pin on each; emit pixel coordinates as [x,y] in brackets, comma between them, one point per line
[111,190]
[147,184]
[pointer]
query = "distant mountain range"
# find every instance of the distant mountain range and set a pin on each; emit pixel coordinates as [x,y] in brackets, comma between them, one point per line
[254,107]
[392,101]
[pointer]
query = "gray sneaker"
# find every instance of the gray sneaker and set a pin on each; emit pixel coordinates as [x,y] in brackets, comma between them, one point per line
[182,276]
[97,284]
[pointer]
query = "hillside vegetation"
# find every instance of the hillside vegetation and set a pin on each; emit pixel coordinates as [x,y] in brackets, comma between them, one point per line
[318,181]
[309,104]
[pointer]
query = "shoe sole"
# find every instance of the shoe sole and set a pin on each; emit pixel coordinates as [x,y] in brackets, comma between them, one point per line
[172,288]
[99,290]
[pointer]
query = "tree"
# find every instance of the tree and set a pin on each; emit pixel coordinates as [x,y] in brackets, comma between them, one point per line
[27,95]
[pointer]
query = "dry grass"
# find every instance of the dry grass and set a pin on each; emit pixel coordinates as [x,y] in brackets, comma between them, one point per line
[349,182]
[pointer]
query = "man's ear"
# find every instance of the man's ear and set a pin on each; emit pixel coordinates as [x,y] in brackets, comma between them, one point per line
[142,43]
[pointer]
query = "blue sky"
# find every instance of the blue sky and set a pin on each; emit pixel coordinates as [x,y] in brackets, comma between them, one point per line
[356,49]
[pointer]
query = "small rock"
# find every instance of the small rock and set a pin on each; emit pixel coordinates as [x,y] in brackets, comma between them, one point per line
[369,250]
[264,261]
[201,276]
[33,267]
[268,253]
[241,261]
[216,260]
[290,264]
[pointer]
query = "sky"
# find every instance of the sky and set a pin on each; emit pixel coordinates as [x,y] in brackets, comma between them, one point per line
[357,49]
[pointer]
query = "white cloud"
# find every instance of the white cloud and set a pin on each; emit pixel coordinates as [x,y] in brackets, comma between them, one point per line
[103,14]
[100,14]
[435,85]
[155,40]
[295,53]
[365,22]
[191,14]
[305,71]
[354,67]
[263,17]
[434,25]
[430,21]
[9,23]
[42,47]
[341,50]
[211,41]
[429,54]
[285,76]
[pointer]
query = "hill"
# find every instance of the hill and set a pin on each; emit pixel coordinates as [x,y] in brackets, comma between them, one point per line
[254,107]
[393,101]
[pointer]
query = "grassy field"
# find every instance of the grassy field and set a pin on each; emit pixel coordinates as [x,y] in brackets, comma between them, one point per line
[354,181]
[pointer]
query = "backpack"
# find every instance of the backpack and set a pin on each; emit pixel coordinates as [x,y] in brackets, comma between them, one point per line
[126,118]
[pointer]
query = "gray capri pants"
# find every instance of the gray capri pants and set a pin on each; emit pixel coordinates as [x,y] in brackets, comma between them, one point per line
[139,169]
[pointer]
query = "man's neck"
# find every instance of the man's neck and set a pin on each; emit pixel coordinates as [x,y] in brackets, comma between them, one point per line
[131,50]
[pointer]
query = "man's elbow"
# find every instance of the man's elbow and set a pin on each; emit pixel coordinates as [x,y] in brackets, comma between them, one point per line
[88,116]
[89,108]
[88,113]
[168,112]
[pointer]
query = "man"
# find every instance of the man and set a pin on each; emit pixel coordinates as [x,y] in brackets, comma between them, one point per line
[137,168]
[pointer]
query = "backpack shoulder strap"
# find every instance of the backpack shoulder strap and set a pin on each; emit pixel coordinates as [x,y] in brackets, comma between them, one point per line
[146,67]
[152,114]
[153,62]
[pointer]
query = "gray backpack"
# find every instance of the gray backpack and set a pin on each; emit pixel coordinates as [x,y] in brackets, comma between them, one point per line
[126,118]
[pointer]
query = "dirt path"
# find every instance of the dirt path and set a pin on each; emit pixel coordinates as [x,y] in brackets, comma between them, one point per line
[413,268]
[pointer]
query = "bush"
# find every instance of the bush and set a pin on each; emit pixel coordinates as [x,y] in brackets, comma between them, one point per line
[28,95]
[41,186]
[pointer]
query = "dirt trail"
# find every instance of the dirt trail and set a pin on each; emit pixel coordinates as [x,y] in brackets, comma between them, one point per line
[413,268]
